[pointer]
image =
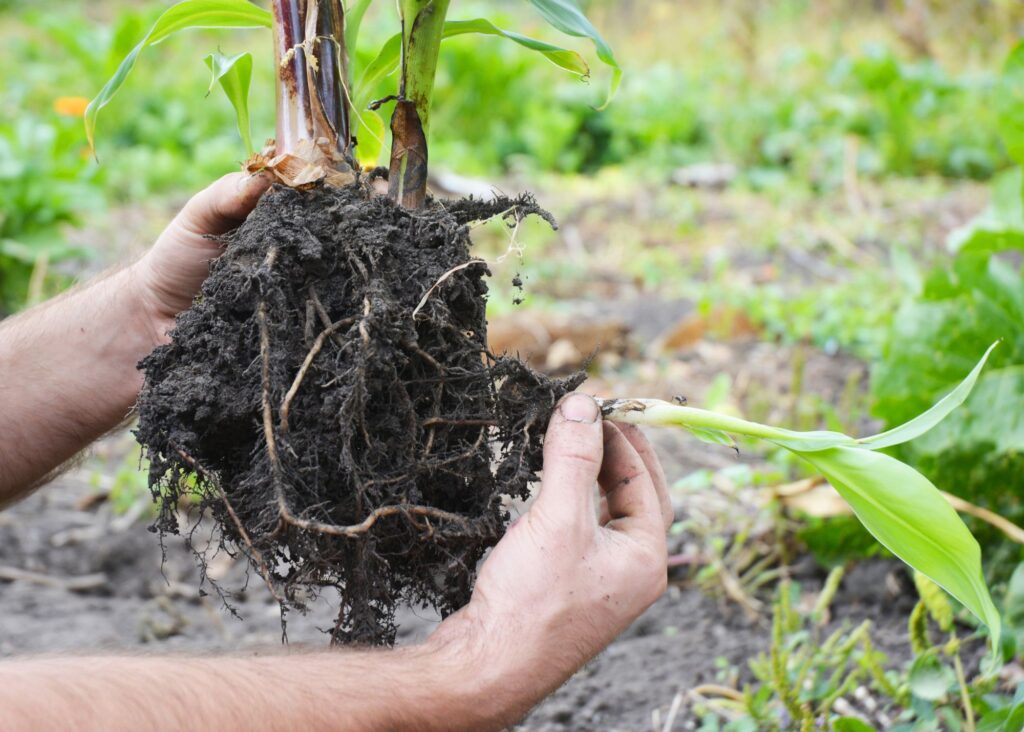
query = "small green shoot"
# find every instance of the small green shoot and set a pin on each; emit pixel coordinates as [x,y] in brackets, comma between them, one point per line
[899,506]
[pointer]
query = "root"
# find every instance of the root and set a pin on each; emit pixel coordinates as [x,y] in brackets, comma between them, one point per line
[332,392]
[318,344]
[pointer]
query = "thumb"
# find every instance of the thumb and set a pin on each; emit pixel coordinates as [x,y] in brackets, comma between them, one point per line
[223,205]
[573,453]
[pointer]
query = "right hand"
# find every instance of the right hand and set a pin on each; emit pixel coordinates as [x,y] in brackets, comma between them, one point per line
[170,274]
[570,575]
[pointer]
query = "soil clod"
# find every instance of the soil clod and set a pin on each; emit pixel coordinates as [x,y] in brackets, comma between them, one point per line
[330,401]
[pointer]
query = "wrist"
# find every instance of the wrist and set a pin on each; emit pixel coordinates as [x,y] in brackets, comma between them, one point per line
[502,662]
[151,320]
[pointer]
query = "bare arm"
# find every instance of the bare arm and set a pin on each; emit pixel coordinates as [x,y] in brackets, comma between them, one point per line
[557,589]
[425,688]
[67,367]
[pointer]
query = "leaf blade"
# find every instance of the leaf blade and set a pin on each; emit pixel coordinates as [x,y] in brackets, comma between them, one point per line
[186,14]
[926,421]
[566,16]
[909,516]
[234,73]
[563,58]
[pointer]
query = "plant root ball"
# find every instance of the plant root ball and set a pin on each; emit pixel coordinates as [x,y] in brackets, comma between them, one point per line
[330,401]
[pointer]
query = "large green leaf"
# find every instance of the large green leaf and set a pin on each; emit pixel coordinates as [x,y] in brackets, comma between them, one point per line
[566,16]
[235,76]
[910,517]
[184,15]
[1001,226]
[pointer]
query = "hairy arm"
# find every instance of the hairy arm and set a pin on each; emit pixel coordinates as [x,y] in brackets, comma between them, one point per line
[67,367]
[567,578]
[430,687]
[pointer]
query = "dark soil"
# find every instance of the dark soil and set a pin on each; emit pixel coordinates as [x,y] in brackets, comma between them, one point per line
[330,401]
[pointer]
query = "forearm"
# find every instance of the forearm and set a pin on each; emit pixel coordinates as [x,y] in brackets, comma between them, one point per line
[422,688]
[67,375]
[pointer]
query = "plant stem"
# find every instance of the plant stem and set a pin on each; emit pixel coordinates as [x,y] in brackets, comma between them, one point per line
[332,62]
[294,117]
[655,412]
[311,61]
[422,32]
[965,694]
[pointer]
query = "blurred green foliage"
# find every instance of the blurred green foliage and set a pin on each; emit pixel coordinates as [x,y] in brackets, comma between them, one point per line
[792,109]
[976,297]
[796,116]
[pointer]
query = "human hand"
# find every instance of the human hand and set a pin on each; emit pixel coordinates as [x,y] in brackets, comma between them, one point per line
[571,574]
[170,274]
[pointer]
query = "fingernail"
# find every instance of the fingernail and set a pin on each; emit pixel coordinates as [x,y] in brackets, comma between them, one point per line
[579,408]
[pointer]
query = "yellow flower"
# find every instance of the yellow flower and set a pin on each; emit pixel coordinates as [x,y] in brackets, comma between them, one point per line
[70,106]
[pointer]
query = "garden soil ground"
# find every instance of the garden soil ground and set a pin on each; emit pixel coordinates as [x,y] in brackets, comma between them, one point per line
[126,604]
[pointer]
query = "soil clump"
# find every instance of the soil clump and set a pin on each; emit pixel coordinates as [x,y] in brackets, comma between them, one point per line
[330,401]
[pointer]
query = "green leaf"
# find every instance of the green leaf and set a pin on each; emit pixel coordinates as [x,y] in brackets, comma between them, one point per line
[925,422]
[910,517]
[370,131]
[1010,104]
[1009,719]
[235,76]
[566,16]
[563,58]
[353,23]
[1001,226]
[930,679]
[851,724]
[1013,607]
[186,14]
[713,437]
[389,57]
[898,505]
[384,63]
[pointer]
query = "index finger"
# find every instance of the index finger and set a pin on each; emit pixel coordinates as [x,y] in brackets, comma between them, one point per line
[628,487]
[643,448]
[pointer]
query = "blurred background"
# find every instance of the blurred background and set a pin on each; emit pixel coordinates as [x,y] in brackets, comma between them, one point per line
[805,212]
